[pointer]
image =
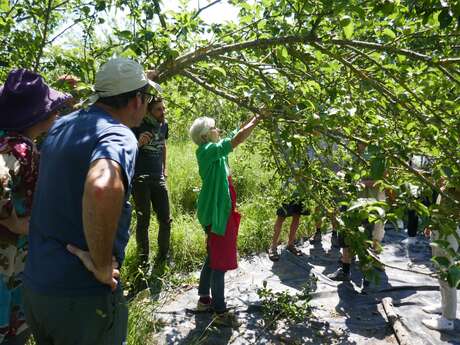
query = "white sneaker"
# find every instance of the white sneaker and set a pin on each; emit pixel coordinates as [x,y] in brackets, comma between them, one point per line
[439,323]
[409,240]
[433,309]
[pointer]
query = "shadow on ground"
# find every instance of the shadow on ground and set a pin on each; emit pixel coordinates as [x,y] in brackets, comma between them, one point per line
[343,313]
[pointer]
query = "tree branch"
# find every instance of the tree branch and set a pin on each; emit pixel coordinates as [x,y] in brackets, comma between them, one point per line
[170,68]
[64,31]
[201,9]
[219,92]
[158,12]
[45,34]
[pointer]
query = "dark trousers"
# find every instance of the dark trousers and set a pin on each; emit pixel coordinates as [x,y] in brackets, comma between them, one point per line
[148,191]
[412,216]
[77,320]
[19,339]
[412,223]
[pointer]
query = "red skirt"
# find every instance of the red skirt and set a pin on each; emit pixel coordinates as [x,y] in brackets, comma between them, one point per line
[223,249]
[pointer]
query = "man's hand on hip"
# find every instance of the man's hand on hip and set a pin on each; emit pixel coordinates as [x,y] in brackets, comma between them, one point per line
[108,276]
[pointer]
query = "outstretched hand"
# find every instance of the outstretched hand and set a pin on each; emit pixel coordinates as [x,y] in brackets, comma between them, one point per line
[105,276]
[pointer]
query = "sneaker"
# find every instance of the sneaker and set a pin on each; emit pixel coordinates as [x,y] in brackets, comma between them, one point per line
[409,241]
[294,250]
[204,304]
[316,238]
[273,254]
[439,323]
[433,309]
[339,275]
[226,319]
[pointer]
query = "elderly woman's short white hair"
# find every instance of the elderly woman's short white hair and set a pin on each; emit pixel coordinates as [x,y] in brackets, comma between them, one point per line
[200,129]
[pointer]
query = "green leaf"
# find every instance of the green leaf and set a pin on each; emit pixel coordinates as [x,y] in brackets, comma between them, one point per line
[347,26]
[348,30]
[388,8]
[380,211]
[411,125]
[4,5]
[125,34]
[100,5]
[444,18]
[453,276]
[219,70]
[86,10]
[377,168]
[389,33]
[284,53]
[441,261]
[345,21]
[443,244]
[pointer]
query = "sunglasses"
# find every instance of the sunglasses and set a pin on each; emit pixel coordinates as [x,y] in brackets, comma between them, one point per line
[150,97]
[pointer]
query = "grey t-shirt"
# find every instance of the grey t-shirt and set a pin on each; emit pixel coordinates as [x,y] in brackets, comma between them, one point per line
[150,159]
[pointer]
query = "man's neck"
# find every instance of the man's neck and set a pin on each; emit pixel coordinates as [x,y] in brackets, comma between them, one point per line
[117,114]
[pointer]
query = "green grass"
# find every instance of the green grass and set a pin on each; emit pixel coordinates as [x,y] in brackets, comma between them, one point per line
[256,201]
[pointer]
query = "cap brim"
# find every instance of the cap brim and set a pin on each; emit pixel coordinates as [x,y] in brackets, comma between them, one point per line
[155,86]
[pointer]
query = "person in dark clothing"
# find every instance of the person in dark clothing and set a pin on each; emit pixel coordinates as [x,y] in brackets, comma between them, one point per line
[150,181]
[422,164]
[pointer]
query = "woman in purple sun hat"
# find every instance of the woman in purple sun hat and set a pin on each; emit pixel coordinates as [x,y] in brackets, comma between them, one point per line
[28,108]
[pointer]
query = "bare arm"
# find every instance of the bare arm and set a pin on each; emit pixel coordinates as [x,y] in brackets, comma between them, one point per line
[245,131]
[102,205]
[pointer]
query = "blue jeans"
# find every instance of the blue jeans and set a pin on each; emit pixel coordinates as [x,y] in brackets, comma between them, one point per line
[213,280]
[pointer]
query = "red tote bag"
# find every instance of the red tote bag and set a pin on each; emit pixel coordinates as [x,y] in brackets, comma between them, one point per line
[223,249]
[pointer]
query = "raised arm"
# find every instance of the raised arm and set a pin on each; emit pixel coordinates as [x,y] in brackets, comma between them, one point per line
[245,131]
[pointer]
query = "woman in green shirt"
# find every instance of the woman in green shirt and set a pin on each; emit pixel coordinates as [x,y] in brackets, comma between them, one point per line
[216,211]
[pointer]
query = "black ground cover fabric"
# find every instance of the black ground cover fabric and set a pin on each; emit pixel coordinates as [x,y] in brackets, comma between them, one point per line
[342,312]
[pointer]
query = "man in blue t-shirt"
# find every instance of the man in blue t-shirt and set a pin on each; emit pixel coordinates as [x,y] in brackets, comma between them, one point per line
[81,215]
[149,186]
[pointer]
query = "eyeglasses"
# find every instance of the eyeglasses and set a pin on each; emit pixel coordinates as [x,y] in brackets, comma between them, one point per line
[150,97]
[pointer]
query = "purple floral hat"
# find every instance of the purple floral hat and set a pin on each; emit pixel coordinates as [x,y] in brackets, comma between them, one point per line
[25,100]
